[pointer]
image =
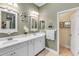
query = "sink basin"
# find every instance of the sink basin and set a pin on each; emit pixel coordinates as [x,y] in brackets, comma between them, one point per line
[10,41]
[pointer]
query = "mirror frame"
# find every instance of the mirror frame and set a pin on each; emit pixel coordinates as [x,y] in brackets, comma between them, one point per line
[40,25]
[36,19]
[8,30]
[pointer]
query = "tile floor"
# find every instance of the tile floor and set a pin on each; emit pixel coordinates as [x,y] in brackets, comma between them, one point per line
[65,52]
[62,52]
[46,52]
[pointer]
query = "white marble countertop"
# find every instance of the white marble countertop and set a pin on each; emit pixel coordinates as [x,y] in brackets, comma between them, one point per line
[18,39]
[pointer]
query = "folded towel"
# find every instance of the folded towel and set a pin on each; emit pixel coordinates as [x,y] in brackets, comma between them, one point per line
[50,34]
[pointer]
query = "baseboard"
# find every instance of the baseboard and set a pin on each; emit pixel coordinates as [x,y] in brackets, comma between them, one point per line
[55,52]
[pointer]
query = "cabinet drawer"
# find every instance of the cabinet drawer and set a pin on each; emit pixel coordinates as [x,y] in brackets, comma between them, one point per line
[4,50]
[19,45]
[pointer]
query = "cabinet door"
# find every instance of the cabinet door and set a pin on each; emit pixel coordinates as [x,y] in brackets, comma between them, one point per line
[19,49]
[42,42]
[36,46]
[20,52]
[39,44]
[30,48]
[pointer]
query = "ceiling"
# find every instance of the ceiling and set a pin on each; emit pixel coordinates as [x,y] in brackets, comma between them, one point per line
[39,4]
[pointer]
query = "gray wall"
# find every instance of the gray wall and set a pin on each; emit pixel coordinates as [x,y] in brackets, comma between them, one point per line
[49,11]
[22,7]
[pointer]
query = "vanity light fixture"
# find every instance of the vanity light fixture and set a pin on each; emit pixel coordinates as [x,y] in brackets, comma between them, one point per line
[10,3]
[13,4]
[33,13]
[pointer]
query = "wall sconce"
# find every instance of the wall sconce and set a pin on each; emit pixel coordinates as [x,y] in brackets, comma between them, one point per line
[23,16]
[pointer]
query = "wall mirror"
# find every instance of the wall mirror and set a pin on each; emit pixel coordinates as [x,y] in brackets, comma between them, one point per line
[34,24]
[8,21]
[41,24]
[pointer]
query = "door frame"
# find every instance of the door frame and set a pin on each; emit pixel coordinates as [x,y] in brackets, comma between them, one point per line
[58,13]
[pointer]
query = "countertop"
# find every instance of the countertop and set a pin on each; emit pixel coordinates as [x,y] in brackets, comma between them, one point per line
[19,39]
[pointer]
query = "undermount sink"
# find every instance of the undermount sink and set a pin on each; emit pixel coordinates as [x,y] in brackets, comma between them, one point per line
[10,41]
[7,42]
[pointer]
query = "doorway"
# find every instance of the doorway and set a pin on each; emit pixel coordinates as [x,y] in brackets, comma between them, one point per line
[64,25]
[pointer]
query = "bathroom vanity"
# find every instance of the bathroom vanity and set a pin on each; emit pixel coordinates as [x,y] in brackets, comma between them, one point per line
[22,45]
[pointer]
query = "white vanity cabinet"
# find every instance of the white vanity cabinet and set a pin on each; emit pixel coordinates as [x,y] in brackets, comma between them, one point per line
[39,44]
[27,47]
[15,50]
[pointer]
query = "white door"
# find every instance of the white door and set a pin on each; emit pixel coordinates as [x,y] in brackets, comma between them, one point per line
[75,34]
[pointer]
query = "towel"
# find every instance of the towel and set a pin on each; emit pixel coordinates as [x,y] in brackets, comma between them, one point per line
[50,34]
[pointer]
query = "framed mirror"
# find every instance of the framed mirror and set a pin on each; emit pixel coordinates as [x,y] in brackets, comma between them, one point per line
[42,24]
[8,21]
[34,24]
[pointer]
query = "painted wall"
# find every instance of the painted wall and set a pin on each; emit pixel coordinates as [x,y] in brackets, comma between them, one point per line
[21,7]
[49,11]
